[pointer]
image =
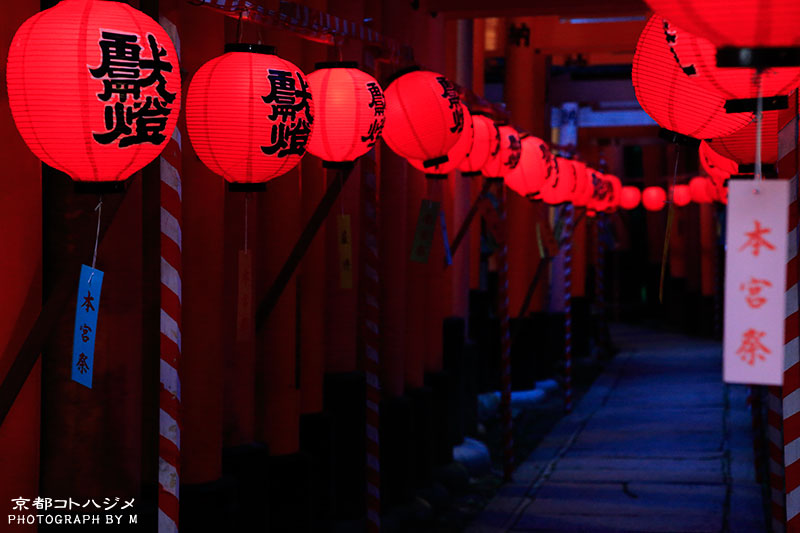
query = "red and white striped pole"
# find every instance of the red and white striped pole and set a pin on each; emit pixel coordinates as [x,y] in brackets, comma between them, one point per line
[370,292]
[789,402]
[568,227]
[170,395]
[505,332]
[169,441]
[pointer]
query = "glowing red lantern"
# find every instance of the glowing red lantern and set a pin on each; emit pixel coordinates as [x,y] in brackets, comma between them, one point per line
[507,157]
[533,166]
[744,23]
[630,197]
[654,198]
[560,183]
[616,192]
[349,111]
[456,154]
[698,59]
[485,144]
[719,168]
[578,196]
[698,189]
[741,146]
[670,97]
[262,130]
[681,195]
[94,88]
[424,118]
[593,180]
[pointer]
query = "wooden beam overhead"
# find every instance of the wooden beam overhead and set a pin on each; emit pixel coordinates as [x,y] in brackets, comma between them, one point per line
[532,8]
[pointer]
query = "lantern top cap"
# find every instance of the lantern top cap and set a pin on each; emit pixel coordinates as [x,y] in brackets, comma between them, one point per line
[336,64]
[402,72]
[251,48]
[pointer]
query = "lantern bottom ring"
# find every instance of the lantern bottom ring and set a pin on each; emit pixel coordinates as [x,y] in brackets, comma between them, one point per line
[246,187]
[678,138]
[750,105]
[471,174]
[101,187]
[759,57]
[338,165]
[435,161]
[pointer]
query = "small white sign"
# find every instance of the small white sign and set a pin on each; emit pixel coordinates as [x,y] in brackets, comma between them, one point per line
[755,281]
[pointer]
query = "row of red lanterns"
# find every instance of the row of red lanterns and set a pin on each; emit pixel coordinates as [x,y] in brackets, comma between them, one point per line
[250,114]
[700,190]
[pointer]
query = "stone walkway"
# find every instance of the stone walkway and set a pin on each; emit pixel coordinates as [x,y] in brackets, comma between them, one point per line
[659,444]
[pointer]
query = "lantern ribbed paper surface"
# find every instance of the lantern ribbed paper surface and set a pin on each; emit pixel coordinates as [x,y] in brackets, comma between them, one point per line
[718,167]
[533,165]
[262,129]
[681,195]
[630,197]
[350,112]
[485,144]
[670,97]
[698,60]
[456,154]
[744,23]
[578,196]
[654,198]
[507,157]
[94,88]
[741,146]
[698,189]
[560,183]
[616,192]
[424,117]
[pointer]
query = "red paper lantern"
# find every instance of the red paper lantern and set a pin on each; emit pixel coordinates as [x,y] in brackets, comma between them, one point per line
[697,58]
[718,168]
[424,118]
[533,166]
[485,144]
[456,154]
[630,197]
[262,130]
[744,23]
[560,183]
[654,198]
[578,196]
[592,180]
[681,195]
[741,146]
[698,189]
[670,97]
[616,193]
[349,111]
[507,157]
[94,88]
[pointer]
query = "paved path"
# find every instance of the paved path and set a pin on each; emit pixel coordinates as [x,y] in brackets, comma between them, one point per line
[659,444]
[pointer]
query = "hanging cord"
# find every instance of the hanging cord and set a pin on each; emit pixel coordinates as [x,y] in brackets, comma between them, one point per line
[239,27]
[670,217]
[759,112]
[246,199]
[99,209]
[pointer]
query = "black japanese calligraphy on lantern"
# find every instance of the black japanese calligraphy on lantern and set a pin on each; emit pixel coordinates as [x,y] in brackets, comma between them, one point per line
[130,116]
[672,37]
[602,188]
[515,151]
[454,102]
[548,158]
[378,105]
[290,103]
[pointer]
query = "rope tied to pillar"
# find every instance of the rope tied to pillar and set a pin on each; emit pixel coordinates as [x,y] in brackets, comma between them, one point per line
[503,313]
[568,231]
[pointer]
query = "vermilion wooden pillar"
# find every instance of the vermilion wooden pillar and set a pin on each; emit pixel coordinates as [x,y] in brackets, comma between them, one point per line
[476,183]
[416,302]
[525,94]
[394,235]
[312,271]
[203,344]
[21,266]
